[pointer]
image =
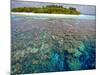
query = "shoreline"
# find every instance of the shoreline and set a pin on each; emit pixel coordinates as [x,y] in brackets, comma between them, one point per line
[55,15]
[43,14]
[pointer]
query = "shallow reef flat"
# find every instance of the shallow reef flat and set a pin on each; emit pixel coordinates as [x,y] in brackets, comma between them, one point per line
[41,44]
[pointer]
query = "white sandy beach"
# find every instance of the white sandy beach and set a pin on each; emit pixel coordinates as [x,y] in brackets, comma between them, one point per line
[43,14]
[55,15]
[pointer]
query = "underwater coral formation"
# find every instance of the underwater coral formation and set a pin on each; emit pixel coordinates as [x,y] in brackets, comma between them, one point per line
[50,45]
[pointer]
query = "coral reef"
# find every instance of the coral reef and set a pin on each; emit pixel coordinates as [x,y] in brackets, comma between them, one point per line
[50,45]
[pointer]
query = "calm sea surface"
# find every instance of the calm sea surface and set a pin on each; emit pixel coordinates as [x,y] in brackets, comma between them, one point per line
[52,44]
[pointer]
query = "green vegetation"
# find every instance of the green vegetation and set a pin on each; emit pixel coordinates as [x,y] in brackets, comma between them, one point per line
[52,9]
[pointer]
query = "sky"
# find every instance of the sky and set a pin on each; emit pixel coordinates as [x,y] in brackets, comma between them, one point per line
[88,2]
[84,9]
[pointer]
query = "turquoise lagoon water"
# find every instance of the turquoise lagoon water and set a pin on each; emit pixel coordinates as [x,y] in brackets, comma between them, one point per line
[52,44]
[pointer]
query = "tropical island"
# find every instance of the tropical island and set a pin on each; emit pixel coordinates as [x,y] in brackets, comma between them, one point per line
[51,9]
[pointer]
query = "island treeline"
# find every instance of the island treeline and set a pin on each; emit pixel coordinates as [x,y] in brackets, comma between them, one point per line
[51,9]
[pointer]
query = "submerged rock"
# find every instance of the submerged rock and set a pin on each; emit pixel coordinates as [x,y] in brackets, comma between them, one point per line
[35,62]
[71,50]
[74,64]
[32,50]
[77,53]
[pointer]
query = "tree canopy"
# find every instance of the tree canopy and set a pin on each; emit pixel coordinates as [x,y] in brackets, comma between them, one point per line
[51,9]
